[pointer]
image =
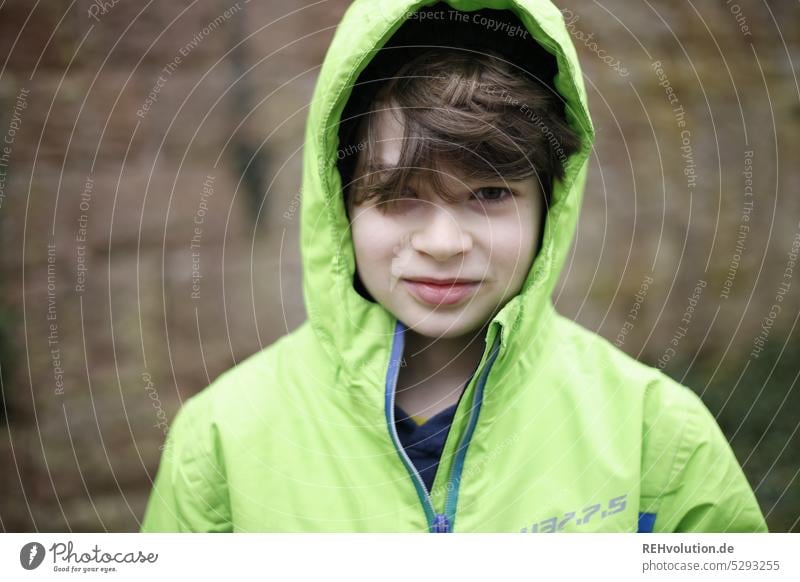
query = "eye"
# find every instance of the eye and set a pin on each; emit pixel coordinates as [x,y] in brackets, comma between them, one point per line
[492,194]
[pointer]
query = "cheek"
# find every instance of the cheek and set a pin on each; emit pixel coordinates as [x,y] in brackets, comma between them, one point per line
[374,237]
[512,241]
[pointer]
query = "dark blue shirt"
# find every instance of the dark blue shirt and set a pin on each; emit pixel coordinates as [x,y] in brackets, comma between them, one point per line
[424,443]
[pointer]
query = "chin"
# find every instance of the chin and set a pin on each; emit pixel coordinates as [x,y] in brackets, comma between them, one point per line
[440,325]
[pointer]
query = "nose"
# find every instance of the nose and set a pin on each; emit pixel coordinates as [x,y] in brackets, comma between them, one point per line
[440,235]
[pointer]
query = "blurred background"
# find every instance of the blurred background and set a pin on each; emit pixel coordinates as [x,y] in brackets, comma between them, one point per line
[149,201]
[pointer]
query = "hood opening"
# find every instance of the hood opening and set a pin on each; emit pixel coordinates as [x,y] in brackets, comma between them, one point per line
[355,333]
[440,25]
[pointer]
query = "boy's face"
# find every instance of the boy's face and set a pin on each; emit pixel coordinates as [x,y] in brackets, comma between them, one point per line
[445,268]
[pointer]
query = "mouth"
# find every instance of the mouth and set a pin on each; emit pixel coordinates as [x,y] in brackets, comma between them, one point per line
[441,291]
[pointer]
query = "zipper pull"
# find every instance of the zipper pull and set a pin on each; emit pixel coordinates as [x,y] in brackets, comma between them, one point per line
[441,524]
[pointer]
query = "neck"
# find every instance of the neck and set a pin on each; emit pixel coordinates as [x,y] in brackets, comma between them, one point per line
[435,371]
[428,356]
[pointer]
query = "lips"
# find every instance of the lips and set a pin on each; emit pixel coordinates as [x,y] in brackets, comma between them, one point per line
[441,291]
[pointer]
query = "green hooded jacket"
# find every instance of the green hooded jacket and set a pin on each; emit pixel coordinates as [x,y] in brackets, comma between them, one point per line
[558,430]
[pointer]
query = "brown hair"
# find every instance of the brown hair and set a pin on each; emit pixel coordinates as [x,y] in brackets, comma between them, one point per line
[463,111]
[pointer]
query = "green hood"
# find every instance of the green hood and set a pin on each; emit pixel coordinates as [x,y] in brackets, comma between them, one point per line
[354,330]
[557,430]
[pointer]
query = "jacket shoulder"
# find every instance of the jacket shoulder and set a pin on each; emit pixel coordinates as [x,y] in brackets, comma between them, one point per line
[190,492]
[690,477]
[252,382]
[599,359]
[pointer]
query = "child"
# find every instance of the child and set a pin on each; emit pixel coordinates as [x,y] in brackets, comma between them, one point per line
[441,191]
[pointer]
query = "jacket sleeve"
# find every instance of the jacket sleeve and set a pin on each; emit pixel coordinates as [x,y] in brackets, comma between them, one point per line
[691,480]
[190,490]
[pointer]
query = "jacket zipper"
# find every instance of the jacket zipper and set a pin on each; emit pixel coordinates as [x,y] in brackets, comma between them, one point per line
[437,522]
